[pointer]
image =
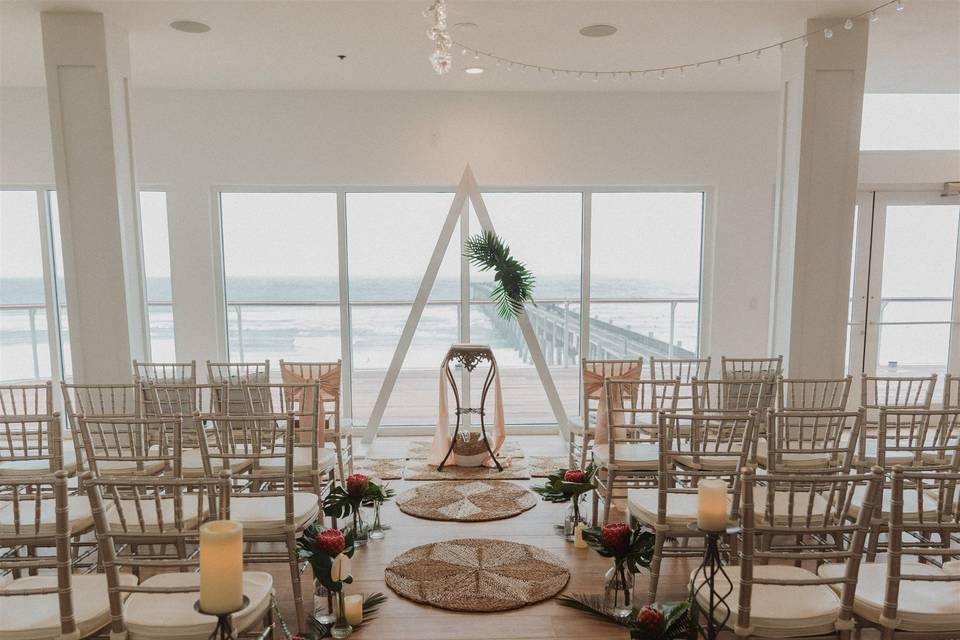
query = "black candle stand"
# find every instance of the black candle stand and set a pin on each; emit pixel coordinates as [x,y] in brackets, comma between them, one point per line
[224,628]
[710,567]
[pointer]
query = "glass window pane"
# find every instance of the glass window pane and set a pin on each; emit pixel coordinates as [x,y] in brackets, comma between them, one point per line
[645,264]
[543,230]
[156,267]
[61,290]
[24,345]
[390,238]
[910,121]
[281,276]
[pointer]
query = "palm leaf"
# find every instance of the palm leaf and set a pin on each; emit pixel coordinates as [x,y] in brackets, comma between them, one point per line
[514,282]
[592,605]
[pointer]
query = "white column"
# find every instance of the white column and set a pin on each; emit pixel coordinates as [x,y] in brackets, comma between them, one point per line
[822,98]
[87,71]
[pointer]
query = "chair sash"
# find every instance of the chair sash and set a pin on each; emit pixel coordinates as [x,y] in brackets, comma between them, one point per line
[329,392]
[593,388]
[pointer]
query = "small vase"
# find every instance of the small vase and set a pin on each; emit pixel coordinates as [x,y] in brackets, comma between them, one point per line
[360,529]
[377,531]
[323,609]
[572,517]
[341,628]
[618,591]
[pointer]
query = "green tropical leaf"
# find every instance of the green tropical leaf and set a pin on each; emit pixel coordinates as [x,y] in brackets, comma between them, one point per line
[514,282]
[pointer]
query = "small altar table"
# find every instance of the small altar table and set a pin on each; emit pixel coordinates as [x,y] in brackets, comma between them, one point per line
[442,449]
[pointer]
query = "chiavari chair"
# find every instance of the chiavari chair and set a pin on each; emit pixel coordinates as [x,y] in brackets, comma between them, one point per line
[813,394]
[98,401]
[594,373]
[26,399]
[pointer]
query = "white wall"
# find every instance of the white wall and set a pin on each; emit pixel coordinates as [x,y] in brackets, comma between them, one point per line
[188,141]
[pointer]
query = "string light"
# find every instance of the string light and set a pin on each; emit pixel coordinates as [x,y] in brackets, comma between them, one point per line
[443,43]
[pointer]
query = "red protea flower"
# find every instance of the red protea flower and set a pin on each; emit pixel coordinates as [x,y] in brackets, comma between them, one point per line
[649,619]
[617,537]
[357,484]
[574,475]
[330,542]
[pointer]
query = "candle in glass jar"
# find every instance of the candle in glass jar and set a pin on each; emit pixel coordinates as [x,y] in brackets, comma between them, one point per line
[353,608]
[712,511]
[221,567]
[578,540]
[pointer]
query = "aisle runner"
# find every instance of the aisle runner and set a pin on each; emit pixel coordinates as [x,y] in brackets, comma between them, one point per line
[470,501]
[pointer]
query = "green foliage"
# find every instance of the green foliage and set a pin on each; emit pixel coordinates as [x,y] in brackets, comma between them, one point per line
[339,503]
[676,625]
[514,282]
[377,494]
[639,549]
[556,489]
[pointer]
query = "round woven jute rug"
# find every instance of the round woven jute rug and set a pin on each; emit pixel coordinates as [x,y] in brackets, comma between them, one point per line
[470,501]
[477,575]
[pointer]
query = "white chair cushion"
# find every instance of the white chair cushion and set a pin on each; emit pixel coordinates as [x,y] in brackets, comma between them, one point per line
[192,460]
[909,504]
[171,616]
[148,509]
[633,455]
[782,509]
[781,611]
[128,467]
[891,458]
[302,460]
[79,519]
[32,467]
[266,514]
[681,507]
[794,460]
[38,617]
[720,463]
[921,606]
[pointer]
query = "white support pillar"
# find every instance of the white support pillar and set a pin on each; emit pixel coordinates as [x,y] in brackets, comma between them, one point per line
[822,99]
[87,70]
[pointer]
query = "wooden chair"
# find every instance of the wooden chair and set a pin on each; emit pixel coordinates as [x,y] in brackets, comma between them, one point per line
[771,596]
[44,604]
[737,396]
[683,369]
[626,453]
[813,394]
[313,465]
[165,372]
[685,456]
[98,401]
[817,441]
[232,376]
[332,426]
[750,368]
[264,500]
[159,537]
[895,392]
[594,373]
[26,399]
[133,446]
[951,392]
[920,598]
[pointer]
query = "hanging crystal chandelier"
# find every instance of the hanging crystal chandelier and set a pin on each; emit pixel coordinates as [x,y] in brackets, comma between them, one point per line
[440,59]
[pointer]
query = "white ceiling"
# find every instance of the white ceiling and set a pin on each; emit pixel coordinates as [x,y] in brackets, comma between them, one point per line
[294,45]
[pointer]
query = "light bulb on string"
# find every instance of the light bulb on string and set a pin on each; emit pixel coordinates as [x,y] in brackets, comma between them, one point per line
[873,16]
[579,76]
[899,6]
[739,59]
[848,24]
[828,33]
[681,72]
[663,74]
[805,42]
[757,54]
[476,55]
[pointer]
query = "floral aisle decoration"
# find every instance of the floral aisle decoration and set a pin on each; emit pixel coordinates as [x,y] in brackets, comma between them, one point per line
[514,281]
[569,485]
[659,621]
[631,549]
[319,630]
[329,552]
[378,492]
[358,491]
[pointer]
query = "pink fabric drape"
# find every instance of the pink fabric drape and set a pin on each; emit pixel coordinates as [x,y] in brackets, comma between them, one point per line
[441,437]
[329,384]
[593,388]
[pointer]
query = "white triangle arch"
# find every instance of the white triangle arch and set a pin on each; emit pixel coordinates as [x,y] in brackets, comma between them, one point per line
[468,190]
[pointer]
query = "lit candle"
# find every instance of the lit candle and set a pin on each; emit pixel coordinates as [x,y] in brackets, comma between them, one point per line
[578,540]
[712,512]
[221,567]
[353,608]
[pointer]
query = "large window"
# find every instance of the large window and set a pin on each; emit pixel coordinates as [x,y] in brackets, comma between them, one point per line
[645,264]
[156,274]
[280,265]
[281,276]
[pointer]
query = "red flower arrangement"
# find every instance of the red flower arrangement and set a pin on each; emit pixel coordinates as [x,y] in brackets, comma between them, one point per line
[617,537]
[627,546]
[357,484]
[650,619]
[574,475]
[330,542]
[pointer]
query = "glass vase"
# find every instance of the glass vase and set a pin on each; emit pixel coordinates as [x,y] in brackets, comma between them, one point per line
[572,517]
[341,628]
[377,531]
[324,611]
[618,590]
[360,529]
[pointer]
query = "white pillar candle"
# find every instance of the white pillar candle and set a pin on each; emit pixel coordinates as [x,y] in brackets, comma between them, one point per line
[353,608]
[221,567]
[578,540]
[712,511]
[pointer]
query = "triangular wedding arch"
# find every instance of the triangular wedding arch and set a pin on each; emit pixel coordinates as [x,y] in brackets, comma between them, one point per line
[467,191]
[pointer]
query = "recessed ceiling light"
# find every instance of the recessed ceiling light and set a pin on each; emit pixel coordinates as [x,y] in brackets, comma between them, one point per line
[465,26]
[189,26]
[598,30]
[474,71]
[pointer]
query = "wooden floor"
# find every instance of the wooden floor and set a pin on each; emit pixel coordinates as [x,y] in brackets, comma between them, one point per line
[401,619]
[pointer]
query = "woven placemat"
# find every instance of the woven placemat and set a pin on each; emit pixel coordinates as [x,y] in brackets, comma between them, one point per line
[543,466]
[420,470]
[418,450]
[477,575]
[469,501]
[383,468]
